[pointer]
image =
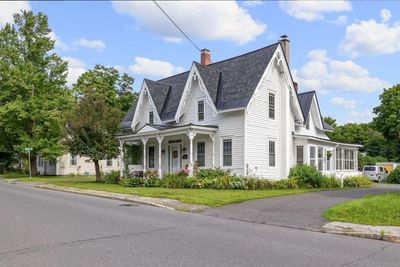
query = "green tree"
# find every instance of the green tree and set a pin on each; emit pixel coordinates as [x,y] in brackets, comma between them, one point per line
[331,121]
[108,83]
[33,92]
[91,128]
[103,97]
[387,118]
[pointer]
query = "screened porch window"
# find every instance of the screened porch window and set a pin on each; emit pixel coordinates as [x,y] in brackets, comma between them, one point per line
[312,156]
[151,156]
[300,155]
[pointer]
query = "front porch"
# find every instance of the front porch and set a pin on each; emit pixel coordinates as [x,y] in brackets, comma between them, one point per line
[168,149]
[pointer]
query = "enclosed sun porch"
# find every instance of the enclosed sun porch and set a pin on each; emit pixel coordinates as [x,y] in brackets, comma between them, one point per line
[167,149]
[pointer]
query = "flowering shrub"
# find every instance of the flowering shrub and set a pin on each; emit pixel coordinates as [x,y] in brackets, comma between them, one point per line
[183,171]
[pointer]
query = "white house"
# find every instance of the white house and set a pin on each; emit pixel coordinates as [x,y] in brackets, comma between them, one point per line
[69,164]
[242,114]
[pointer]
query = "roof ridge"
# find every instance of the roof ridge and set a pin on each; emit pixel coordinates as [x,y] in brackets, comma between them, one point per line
[308,92]
[247,53]
[157,82]
[172,76]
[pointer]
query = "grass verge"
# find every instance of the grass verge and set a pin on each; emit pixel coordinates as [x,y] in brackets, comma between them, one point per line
[208,197]
[382,210]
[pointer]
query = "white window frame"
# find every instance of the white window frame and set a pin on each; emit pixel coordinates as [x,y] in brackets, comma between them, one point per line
[320,159]
[232,138]
[297,155]
[314,158]
[268,154]
[269,105]
[108,161]
[151,118]
[71,156]
[204,110]
[339,165]
[154,156]
[205,152]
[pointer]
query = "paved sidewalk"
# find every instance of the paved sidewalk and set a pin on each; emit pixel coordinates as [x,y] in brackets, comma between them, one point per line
[158,202]
[297,211]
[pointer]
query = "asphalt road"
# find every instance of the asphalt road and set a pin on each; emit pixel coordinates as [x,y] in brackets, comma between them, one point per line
[47,228]
[302,210]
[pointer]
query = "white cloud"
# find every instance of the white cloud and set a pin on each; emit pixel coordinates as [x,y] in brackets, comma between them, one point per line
[205,20]
[252,3]
[155,68]
[327,75]
[93,44]
[385,15]
[347,104]
[58,43]
[8,8]
[313,10]
[75,68]
[340,21]
[371,38]
[361,116]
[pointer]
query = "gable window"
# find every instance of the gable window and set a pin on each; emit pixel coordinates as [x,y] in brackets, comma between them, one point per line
[109,162]
[300,155]
[200,110]
[271,106]
[312,156]
[271,154]
[73,160]
[320,158]
[151,117]
[308,123]
[227,152]
[201,154]
[151,156]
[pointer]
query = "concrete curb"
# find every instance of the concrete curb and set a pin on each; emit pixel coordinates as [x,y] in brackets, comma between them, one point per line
[385,233]
[166,203]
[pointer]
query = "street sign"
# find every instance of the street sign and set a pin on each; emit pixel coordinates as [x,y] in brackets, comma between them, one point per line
[28,149]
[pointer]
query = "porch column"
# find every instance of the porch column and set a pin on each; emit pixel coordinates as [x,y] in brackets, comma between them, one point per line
[159,139]
[342,159]
[213,149]
[144,141]
[191,135]
[121,159]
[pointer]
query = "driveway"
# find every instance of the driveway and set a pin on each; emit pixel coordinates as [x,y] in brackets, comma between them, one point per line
[298,211]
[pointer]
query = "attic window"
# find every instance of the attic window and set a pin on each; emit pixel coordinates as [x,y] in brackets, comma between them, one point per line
[308,123]
[151,117]
[200,110]
[271,106]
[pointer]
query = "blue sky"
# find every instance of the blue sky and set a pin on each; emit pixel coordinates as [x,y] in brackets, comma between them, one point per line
[346,51]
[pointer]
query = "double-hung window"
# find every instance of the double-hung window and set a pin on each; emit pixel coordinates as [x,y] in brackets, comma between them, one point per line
[339,157]
[271,106]
[201,154]
[271,154]
[312,156]
[300,155]
[109,162]
[200,110]
[73,160]
[151,117]
[320,158]
[227,152]
[151,156]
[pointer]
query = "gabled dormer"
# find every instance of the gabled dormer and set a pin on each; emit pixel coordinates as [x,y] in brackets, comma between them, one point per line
[313,122]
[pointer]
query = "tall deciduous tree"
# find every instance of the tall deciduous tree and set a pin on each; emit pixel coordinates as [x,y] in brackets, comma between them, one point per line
[388,116]
[33,92]
[92,127]
[103,97]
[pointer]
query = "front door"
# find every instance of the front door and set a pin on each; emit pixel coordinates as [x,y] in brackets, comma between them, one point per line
[175,158]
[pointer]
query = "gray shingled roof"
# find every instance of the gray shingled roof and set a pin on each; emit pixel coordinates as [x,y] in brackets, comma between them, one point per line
[230,83]
[127,120]
[305,100]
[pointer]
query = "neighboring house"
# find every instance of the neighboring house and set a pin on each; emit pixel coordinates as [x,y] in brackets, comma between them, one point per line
[243,114]
[73,164]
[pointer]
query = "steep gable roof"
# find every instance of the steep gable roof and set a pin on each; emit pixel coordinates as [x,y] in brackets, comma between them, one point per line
[231,83]
[305,100]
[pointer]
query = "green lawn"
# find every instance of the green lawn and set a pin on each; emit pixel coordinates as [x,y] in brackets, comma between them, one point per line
[208,197]
[381,210]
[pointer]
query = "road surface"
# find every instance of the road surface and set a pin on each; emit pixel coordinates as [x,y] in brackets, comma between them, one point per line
[47,228]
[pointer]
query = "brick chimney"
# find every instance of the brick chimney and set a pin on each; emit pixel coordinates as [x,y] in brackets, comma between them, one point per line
[205,57]
[285,46]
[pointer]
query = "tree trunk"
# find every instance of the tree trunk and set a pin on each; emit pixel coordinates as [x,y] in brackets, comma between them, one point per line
[97,169]
[33,166]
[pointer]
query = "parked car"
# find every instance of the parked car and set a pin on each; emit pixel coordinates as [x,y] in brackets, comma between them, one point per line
[375,173]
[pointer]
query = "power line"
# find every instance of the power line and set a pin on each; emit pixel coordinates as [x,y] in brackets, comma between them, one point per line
[176,25]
